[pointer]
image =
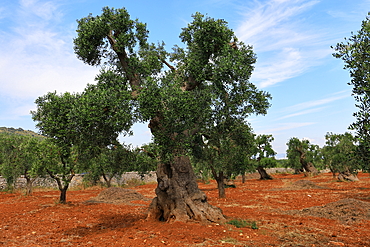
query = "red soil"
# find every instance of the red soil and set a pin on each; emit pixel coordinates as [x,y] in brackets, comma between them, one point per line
[275,206]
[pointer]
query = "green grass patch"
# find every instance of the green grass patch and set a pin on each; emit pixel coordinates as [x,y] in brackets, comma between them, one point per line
[240,223]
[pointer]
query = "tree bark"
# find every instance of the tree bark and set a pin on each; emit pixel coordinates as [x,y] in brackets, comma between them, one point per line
[29,182]
[310,169]
[178,196]
[220,179]
[62,188]
[347,176]
[107,179]
[264,175]
[307,166]
[63,194]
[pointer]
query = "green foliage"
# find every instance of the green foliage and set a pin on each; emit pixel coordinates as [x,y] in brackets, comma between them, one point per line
[10,157]
[51,162]
[263,154]
[83,125]
[208,81]
[226,150]
[301,152]
[55,119]
[355,53]
[282,163]
[101,113]
[146,158]
[112,162]
[240,223]
[340,153]
[18,156]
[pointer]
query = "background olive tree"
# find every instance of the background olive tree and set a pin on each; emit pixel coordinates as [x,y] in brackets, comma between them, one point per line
[264,155]
[302,155]
[18,157]
[112,162]
[340,155]
[225,150]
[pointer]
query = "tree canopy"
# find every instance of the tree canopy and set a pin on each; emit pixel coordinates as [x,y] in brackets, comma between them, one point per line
[302,155]
[340,155]
[355,52]
[264,154]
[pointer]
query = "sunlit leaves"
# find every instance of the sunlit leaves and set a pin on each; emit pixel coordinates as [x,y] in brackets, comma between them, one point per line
[183,93]
[355,52]
[340,152]
[302,151]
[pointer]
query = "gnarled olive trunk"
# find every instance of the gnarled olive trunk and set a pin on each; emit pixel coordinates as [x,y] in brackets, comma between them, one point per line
[308,167]
[178,196]
[263,174]
[346,175]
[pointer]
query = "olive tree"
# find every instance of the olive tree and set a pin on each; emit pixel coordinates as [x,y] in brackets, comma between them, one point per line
[82,124]
[180,94]
[18,156]
[355,52]
[112,162]
[264,155]
[55,121]
[302,155]
[341,157]
[225,150]
[10,157]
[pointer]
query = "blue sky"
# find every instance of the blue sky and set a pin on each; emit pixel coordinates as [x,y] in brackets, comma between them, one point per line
[291,38]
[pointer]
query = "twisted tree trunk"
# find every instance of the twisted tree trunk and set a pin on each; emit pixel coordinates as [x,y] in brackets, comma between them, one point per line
[346,175]
[308,167]
[263,174]
[178,196]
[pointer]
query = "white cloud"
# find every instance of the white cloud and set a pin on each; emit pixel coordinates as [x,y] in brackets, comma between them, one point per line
[281,67]
[284,126]
[36,57]
[294,46]
[272,19]
[314,103]
[301,113]
[46,10]
[311,106]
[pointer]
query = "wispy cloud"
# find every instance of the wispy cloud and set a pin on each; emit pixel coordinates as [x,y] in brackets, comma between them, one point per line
[272,19]
[313,105]
[37,55]
[278,123]
[285,126]
[294,46]
[304,112]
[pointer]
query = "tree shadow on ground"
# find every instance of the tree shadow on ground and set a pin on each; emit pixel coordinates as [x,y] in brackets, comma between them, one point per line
[107,222]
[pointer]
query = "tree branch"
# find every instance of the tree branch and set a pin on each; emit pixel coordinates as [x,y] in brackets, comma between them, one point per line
[133,78]
[166,63]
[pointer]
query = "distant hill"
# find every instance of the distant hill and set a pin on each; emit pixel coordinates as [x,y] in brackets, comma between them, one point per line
[18,131]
